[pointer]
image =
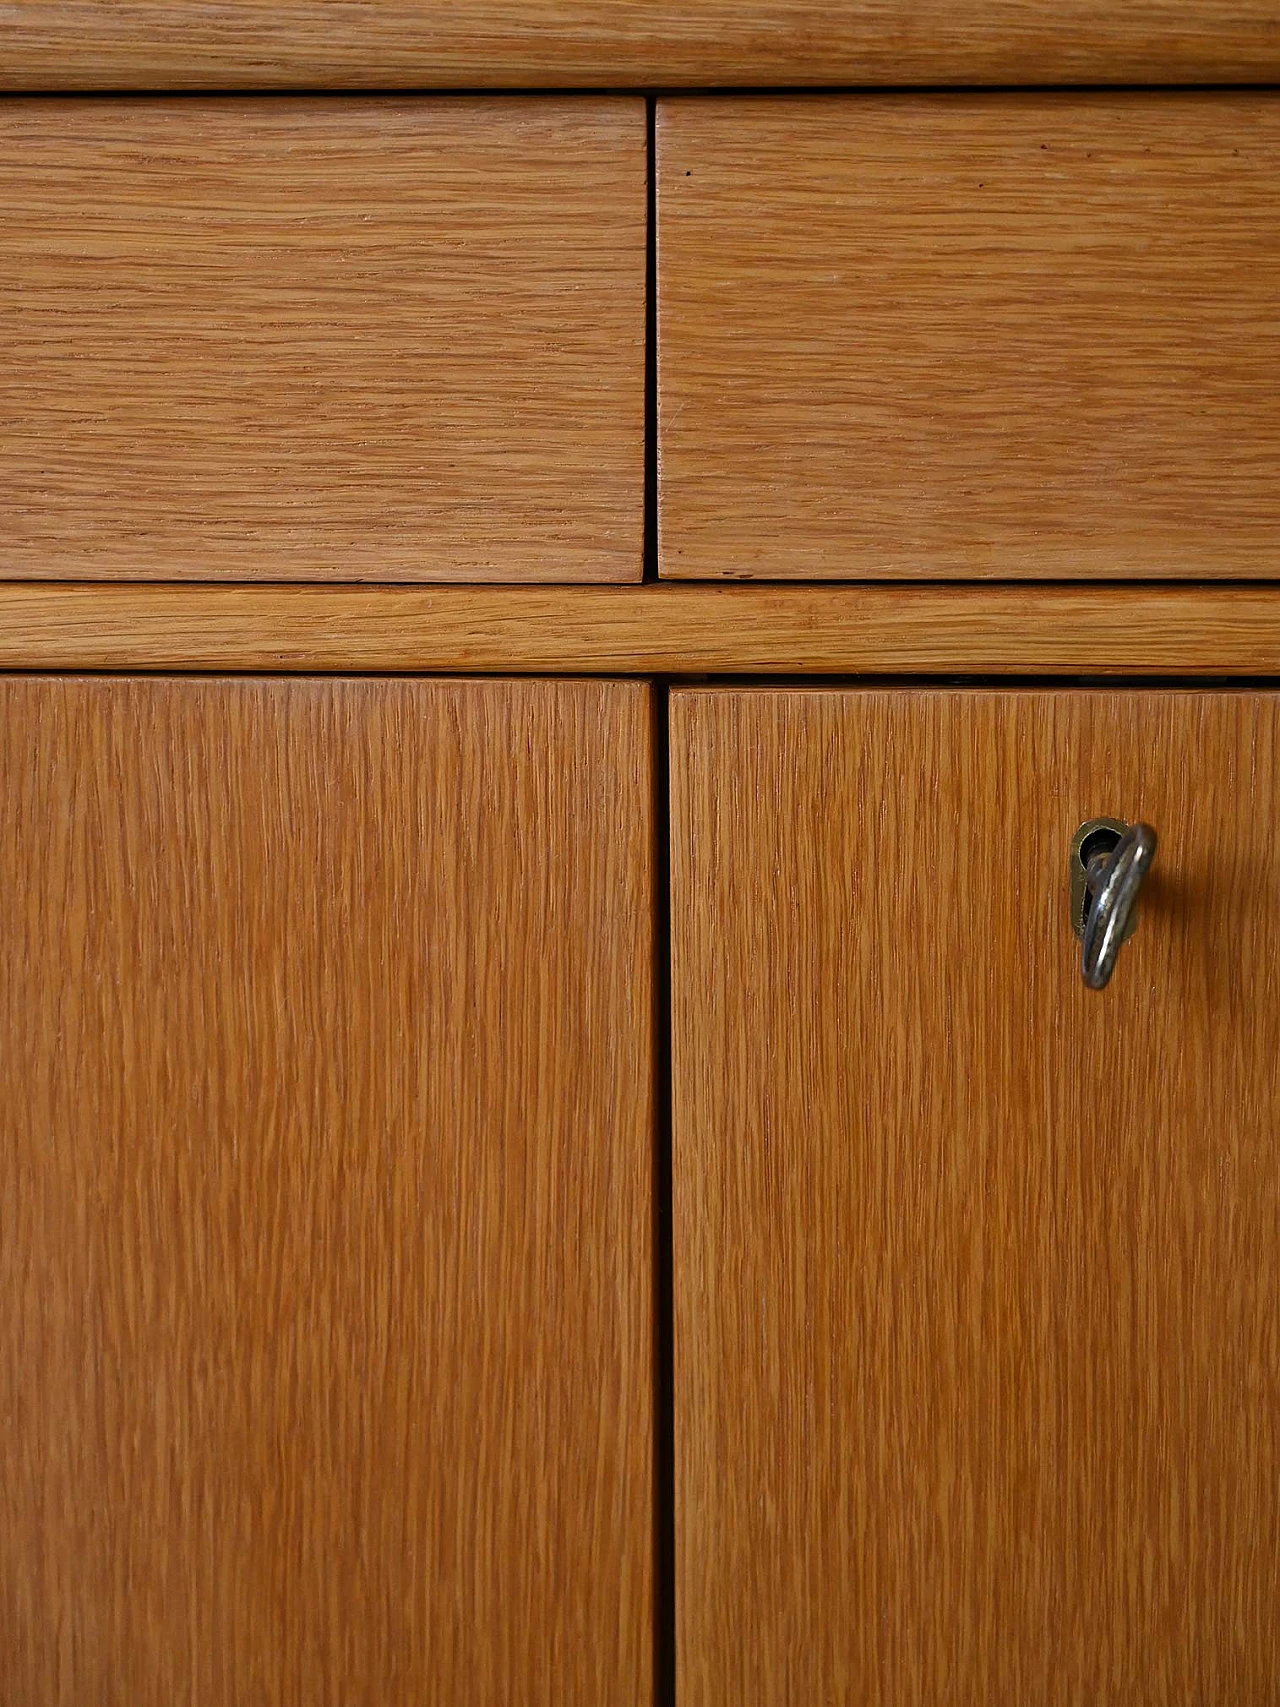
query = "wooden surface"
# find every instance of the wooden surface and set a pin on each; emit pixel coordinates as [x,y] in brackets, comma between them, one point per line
[977,1371]
[649,630]
[100,44]
[325,1279]
[1014,335]
[322,339]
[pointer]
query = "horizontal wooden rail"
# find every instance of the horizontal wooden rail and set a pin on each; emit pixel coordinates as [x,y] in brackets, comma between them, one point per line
[648,630]
[415,44]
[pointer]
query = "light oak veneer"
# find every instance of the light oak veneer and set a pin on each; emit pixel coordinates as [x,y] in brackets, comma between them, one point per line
[317,339]
[977,1361]
[325,1193]
[192,44]
[999,336]
[649,630]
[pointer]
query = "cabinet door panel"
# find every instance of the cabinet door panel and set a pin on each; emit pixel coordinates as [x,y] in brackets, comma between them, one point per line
[977,1364]
[325,1074]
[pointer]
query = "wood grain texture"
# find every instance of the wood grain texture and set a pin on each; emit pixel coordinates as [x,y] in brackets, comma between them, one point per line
[977,1367]
[1007,336]
[325,1066]
[173,44]
[649,630]
[320,339]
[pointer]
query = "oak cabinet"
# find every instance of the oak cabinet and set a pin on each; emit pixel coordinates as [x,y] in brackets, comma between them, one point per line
[386,1314]
[976,1360]
[325,1192]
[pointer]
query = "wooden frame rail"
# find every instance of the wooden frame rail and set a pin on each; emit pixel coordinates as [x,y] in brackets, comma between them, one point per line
[1211,631]
[399,44]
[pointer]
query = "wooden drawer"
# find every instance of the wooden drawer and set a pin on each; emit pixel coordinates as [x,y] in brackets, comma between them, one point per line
[975,1270]
[333,339]
[947,336]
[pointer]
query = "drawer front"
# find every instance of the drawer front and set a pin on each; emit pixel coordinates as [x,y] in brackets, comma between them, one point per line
[315,339]
[969,336]
[325,1134]
[977,1370]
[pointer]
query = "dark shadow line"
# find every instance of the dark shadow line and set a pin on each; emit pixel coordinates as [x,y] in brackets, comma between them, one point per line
[664,1585]
[650,571]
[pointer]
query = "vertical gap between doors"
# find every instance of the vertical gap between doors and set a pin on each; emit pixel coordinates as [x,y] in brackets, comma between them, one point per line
[664,1564]
[650,570]
[664,1585]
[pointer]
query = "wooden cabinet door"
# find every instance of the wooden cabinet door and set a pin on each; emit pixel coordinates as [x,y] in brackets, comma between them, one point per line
[977,1273]
[325,1298]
